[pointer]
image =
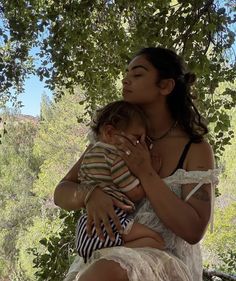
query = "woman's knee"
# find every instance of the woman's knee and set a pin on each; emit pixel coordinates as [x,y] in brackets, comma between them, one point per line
[104,270]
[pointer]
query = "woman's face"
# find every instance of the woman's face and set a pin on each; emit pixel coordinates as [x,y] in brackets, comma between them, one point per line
[140,82]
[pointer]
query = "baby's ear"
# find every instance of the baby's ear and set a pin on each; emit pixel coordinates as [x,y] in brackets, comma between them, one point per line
[108,133]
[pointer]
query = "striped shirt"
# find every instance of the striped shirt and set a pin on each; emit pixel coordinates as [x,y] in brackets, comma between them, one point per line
[102,164]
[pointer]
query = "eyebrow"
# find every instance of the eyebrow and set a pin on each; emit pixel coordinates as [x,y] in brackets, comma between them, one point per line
[137,66]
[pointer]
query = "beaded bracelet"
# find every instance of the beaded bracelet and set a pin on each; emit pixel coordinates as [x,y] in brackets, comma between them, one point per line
[88,195]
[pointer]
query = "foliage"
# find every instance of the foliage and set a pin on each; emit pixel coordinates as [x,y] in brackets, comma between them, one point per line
[220,254]
[218,251]
[228,159]
[229,262]
[88,43]
[82,48]
[53,144]
[54,263]
[43,227]
[18,170]
[59,142]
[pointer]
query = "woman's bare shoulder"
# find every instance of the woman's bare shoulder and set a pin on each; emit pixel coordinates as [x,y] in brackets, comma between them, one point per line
[200,156]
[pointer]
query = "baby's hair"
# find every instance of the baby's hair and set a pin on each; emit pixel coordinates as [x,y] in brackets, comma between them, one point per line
[119,114]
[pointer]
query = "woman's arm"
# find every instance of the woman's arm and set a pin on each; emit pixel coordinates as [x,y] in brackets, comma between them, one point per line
[67,194]
[70,195]
[186,219]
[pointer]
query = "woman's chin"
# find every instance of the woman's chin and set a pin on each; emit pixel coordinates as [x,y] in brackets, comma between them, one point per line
[128,98]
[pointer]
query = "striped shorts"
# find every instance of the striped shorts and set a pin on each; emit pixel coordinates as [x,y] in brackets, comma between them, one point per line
[86,245]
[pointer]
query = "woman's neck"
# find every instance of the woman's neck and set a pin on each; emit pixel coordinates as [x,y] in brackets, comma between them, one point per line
[159,117]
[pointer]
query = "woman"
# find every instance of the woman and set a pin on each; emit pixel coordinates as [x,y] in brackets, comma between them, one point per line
[179,195]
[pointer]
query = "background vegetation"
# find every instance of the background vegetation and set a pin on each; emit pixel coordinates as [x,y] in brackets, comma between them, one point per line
[80,50]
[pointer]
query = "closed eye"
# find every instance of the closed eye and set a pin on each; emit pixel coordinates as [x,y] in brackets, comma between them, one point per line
[138,137]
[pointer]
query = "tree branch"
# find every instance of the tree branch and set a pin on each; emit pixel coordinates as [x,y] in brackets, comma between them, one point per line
[224,276]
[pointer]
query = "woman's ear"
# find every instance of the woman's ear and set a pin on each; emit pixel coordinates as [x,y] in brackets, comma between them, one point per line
[166,86]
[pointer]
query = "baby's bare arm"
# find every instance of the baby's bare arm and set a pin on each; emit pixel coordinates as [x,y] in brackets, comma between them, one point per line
[136,194]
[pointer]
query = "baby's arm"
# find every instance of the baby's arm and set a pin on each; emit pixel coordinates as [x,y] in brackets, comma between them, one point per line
[136,194]
[128,183]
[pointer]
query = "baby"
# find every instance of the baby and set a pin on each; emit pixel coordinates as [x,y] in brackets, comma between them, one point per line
[102,167]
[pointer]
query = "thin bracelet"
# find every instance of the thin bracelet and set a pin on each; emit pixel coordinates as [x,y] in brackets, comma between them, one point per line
[88,195]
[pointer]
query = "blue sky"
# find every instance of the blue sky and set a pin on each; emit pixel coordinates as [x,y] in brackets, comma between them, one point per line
[31,98]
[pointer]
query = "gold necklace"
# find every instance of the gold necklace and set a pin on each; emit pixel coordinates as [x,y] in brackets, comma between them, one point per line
[165,134]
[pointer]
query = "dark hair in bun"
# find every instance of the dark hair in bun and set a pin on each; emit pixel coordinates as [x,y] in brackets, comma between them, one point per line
[180,100]
[190,78]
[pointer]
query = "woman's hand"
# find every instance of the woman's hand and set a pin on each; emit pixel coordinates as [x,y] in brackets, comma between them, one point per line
[100,209]
[135,153]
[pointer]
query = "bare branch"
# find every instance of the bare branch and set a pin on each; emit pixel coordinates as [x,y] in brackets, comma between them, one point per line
[215,273]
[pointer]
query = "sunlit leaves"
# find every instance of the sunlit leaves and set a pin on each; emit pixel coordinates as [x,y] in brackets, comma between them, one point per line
[88,42]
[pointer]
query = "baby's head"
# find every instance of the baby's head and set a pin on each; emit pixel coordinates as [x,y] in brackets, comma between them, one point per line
[117,117]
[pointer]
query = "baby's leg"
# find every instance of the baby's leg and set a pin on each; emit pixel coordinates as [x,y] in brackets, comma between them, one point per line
[141,236]
[86,245]
[144,242]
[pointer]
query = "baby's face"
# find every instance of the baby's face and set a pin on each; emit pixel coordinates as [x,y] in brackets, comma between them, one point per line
[109,134]
[135,129]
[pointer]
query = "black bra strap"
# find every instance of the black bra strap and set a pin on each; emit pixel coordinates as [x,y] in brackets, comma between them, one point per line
[183,156]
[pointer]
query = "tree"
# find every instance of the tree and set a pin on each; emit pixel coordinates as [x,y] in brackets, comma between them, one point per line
[219,247]
[33,158]
[18,170]
[60,141]
[88,43]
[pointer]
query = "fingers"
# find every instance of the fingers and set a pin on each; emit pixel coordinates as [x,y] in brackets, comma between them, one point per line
[116,221]
[89,225]
[108,228]
[101,216]
[142,139]
[103,219]
[126,139]
[125,146]
[97,224]
[129,138]
[122,206]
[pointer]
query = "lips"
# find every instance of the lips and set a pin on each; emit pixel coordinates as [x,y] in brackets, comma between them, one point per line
[126,91]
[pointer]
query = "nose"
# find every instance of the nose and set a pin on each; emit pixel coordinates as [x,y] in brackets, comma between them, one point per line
[125,80]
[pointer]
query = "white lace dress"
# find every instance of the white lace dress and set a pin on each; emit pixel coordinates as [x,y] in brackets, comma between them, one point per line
[180,262]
